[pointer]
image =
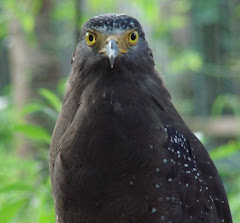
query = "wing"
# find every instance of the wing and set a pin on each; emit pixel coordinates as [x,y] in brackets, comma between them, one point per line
[202,195]
[188,165]
[69,108]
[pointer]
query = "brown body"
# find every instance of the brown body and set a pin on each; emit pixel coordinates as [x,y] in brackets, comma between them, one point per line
[121,153]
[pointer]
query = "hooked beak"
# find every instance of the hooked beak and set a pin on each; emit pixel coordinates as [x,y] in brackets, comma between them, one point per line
[112,51]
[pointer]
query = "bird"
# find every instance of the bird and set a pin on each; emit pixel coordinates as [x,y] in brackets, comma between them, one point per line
[120,152]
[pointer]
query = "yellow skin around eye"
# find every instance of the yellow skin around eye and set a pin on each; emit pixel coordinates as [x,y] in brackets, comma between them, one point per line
[91,42]
[123,41]
[132,41]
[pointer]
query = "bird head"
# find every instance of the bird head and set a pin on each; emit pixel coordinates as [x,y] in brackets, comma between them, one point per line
[112,40]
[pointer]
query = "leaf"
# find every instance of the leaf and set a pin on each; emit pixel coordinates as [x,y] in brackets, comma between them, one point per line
[223,101]
[61,87]
[33,132]
[225,150]
[52,99]
[31,108]
[10,210]
[63,11]
[188,59]
[28,22]
[16,186]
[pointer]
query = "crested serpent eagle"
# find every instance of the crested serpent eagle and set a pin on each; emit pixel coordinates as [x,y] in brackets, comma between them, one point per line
[120,152]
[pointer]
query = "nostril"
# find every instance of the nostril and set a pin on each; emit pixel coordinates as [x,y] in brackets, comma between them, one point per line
[101,51]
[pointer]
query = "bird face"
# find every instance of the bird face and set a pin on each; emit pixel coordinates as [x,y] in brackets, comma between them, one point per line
[112,45]
[111,37]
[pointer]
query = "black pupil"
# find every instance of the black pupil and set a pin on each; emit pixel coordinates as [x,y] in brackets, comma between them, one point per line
[133,36]
[90,37]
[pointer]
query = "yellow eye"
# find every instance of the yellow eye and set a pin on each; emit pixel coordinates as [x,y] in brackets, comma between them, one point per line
[133,38]
[91,39]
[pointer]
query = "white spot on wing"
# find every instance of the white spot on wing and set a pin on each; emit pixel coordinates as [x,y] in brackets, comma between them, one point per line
[154,210]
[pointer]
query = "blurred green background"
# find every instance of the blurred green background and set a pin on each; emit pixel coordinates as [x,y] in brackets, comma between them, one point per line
[196,46]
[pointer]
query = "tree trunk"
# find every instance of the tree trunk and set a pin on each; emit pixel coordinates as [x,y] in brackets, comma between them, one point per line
[32,66]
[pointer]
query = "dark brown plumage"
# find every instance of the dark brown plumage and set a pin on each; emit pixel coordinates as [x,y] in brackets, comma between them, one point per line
[120,152]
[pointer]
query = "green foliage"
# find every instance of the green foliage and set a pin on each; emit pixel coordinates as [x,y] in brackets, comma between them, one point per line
[226,101]
[6,127]
[97,5]
[226,150]
[25,192]
[51,98]
[186,60]
[25,197]
[207,11]
[23,11]
[3,24]
[64,11]
[226,159]
[226,156]
[33,132]
[51,108]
